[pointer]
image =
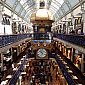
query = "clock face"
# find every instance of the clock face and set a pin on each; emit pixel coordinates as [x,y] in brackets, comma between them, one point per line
[41,53]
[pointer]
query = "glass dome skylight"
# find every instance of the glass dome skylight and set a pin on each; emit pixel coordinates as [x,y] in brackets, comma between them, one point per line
[23,8]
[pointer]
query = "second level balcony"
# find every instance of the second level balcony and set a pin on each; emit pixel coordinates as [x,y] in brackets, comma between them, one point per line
[73,39]
[10,39]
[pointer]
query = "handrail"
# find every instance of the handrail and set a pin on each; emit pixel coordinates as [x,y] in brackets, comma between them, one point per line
[18,72]
[75,39]
[9,39]
[75,70]
[64,71]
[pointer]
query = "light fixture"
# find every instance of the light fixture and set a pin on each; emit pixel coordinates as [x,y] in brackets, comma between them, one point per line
[14,69]
[44,44]
[9,76]
[38,44]
[74,77]
[70,71]
[67,67]
[19,63]
[20,77]
[23,73]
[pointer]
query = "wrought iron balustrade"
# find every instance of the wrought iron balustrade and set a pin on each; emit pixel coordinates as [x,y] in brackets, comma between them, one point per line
[75,39]
[9,39]
[64,71]
[18,72]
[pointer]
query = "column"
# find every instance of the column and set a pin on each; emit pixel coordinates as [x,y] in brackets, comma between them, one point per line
[67,28]
[0,14]
[73,20]
[36,29]
[83,16]
[82,63]
[11,21]
[1,10]
[2,58]
[18,50]
[19,80]
[73,54]
[11,55]
[65,51]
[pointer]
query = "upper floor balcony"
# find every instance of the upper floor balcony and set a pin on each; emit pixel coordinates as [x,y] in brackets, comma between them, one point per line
[73,39]
[10,39]
[6,40]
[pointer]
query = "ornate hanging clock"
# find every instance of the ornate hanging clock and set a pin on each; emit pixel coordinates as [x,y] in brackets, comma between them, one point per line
[41,54]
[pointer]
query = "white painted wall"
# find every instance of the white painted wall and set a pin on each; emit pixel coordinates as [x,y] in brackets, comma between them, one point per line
[77,11]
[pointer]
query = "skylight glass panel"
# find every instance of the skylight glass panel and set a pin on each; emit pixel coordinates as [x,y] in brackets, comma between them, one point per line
[23,1]
[56,15]
[61,13]
[28,15]
[52,11]
[10,2]
[55,5]
[52,7]
[64,5]
[18,7]
[23,13]
[59,1]
[26,7]
[58,12]
[73,2]
[29,12]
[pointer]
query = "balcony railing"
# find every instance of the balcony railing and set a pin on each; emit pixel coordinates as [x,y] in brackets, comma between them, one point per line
[18,72]
[64,71]
[75,39]
[72,67]
[9,39]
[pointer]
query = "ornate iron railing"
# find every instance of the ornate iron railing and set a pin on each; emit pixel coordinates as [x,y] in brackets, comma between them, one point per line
[75,39]
[9,39]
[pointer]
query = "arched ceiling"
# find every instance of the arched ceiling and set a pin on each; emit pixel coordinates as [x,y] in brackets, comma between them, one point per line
[24,8]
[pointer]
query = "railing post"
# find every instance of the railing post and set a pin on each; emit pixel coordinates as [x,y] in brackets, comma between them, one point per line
[82,63]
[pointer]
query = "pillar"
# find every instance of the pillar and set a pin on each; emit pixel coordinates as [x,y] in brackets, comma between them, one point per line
[1,18]
[11,55]
[0,14]
[82,63]
[65,51]
[11,21]
[19,80]
[35,28]
[73,20]
[83,16]
[73,54]
[2,58]
[67,28]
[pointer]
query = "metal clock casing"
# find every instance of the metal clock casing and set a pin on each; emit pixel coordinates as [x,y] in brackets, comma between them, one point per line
[41,53]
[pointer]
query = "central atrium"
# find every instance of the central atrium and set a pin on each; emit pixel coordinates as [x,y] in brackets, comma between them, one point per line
[42,42]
